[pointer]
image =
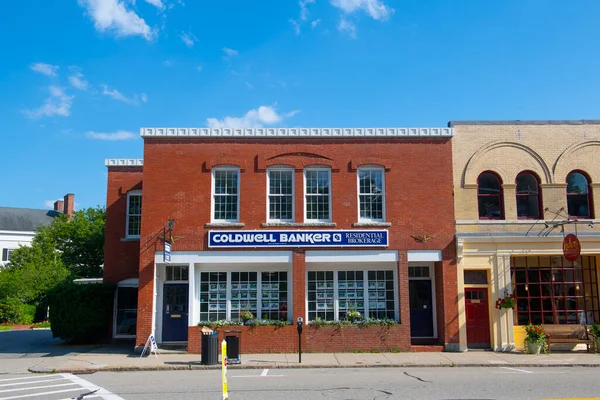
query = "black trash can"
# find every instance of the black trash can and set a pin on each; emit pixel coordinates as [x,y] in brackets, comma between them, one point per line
[234,346]
[210,349]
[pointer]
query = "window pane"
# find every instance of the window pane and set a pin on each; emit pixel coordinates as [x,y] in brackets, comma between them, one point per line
[488,184]
[322,303]
[280,195]
[274,296]
[213,296]
[489,207]
[475,277]
[527,184]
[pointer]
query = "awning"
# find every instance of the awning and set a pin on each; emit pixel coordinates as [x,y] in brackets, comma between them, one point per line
[131,282]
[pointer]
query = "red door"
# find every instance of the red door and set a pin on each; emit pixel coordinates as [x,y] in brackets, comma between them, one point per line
[478,319]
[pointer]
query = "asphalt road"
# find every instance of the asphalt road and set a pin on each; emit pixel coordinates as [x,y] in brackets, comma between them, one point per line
[498,383]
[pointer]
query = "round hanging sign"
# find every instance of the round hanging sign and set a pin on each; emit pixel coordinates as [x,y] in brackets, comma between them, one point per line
[571,247]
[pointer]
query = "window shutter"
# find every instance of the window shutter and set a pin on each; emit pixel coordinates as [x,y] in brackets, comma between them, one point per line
[4,254]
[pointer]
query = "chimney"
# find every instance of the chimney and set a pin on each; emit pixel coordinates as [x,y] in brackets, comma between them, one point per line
[69,203]
[58,205]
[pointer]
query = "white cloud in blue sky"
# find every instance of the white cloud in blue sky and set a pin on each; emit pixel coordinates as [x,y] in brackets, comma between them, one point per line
[57,104]
[113,16]
[119,135]
[45,69]
[257,118]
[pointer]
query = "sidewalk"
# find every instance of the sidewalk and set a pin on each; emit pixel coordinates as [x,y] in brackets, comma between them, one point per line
[102,360]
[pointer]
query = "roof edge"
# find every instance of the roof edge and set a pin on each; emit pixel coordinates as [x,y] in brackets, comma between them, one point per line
[451,124]
[295,133]
[124,162]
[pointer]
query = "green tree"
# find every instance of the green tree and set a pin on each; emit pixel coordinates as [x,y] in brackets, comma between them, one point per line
[80,241]
[33,271]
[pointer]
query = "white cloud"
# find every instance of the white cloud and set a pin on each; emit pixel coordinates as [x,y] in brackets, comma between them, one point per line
[167,63]
[314,24]
[257,118]
[376,9]
[49,204]
[249,85]
[115,94]
[188,38]
[347,26]
[230,52]
[199,68]
[77,81]
[292,113]
[44,69]
[156,3]
[113,16]
[303,9]
[57,104]
[296,26]
[119,135]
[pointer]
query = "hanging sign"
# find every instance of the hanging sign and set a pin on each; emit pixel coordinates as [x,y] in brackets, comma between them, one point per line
[297,238]
[167,253]
[571,247]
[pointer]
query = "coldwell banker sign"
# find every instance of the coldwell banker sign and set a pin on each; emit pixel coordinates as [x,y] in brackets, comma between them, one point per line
[339,238]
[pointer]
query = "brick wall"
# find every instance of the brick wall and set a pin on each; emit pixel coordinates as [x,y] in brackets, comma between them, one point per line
[324,339]
[177,185]
[121,258]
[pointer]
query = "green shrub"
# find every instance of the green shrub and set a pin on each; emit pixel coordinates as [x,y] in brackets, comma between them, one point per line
[81,313]
[14,311]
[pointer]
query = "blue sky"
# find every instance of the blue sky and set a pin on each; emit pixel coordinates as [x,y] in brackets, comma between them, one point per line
[78,78]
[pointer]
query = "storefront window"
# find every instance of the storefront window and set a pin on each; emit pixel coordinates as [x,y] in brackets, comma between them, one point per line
[553,290]
[331,294]
[264,294]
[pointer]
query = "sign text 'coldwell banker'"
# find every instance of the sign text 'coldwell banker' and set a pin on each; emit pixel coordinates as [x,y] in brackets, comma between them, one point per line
[339,238]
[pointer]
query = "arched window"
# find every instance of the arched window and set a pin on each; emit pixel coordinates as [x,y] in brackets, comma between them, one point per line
[528,196]
[579,198]
[489,196]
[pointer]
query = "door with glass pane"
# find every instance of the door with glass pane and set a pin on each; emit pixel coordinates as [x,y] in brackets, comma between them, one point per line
[478,320]
[175,312]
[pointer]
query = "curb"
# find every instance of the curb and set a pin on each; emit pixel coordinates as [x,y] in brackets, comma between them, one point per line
[192,367]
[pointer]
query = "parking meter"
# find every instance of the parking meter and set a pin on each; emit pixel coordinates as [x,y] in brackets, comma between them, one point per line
[299,323]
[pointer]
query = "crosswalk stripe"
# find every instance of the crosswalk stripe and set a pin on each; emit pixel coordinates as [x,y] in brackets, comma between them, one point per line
[37,387]
[20,379]
[41,394]
[31,382]
[105,394]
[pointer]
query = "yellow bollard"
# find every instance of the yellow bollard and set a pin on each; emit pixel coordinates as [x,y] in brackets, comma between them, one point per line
[224,368]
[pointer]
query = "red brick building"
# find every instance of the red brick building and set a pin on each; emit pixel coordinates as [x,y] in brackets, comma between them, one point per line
[285,223]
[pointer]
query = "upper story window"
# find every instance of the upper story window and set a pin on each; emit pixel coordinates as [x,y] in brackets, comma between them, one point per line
[317,194]
[7,254]
[134,213]
[280,182]
[579,198]
[226,194]
[489,196]
[371,194]
[528,196]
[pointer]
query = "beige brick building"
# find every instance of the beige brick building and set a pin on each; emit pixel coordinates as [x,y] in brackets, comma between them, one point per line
[519,188]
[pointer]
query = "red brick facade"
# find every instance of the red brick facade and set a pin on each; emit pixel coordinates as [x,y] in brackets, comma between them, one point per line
[177,185]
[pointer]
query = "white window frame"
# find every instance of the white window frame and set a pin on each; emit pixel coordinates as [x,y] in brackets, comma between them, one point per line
[9,253]
[365,267]
[213,195]
[280,169]
[328,170]
[382,171]
[129,195]
[259,270]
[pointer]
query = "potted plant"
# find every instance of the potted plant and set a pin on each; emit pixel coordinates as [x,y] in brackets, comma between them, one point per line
[594,330]
[352,315]
[536,340]
[246,316]
[506,302]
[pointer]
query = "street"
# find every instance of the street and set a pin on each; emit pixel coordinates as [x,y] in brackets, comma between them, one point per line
[498,383]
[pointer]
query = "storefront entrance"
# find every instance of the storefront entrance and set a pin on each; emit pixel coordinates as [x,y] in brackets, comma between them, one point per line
[421,302]
[175,312]
[478,320]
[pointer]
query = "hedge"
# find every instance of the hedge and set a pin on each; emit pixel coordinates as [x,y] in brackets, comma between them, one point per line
[14,311]
[81,313]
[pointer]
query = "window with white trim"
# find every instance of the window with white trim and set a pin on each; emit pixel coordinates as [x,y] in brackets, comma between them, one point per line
[134,213]
[7,254]
[371,194]
[224,295]
[331,294]
[317,194]
[226,194]
[280,183]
